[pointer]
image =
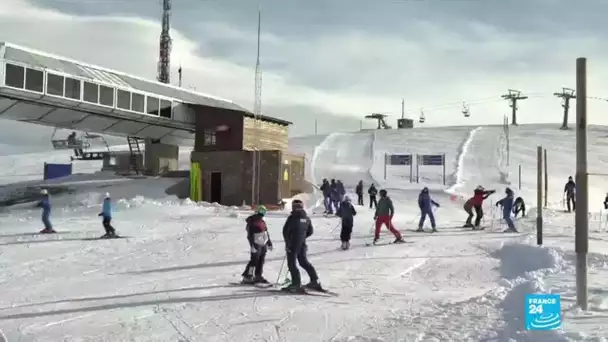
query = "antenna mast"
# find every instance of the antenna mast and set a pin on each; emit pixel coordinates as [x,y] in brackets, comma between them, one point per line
[164,74]
[257,111]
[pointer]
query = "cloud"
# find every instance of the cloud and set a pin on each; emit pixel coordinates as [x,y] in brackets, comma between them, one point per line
[341,59]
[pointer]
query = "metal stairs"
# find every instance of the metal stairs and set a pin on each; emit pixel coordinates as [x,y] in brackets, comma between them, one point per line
[135,152]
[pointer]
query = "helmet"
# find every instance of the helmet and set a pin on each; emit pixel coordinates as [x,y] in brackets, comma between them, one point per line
[44,192]
[107,195]
[260,209]
[479,187]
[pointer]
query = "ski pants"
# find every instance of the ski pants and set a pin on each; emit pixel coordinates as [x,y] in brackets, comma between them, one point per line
[46,221]
[360,199]
[256,262]
[327,203]
[508,219]
[570,198]
[336,203]
[478,214]
[300,256]
[372,200]
[423,214]
[470,217]
[347,230]
[386,220]
[107,225]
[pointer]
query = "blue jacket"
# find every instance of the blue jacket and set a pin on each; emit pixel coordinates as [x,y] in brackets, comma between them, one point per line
[45,204]
[507,205]
[107,208]
[425,202]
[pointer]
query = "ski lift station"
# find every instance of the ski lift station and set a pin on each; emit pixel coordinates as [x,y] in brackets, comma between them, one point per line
[45,89]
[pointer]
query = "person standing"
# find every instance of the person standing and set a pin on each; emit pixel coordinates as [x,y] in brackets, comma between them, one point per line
[259,244]
[372,192]
[296,230]
[347,215]
[384,215]
[106,214]
[570,193]
[359,192]
[507,208]
[45,204]
[426,203]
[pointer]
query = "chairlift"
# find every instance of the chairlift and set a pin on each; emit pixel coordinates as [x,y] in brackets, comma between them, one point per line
[69,143]
[465,110]
[422,118]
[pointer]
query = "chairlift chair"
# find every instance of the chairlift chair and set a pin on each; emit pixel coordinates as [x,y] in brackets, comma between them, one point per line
[65,144]
[465,110]
[422,118]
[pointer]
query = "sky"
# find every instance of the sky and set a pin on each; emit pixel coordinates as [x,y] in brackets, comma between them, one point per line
[336,61]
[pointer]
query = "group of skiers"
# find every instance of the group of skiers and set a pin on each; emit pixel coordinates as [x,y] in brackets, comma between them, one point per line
[106,214]
[334,194]
[510,205]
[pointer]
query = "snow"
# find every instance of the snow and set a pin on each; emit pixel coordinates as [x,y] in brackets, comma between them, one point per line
[169,281]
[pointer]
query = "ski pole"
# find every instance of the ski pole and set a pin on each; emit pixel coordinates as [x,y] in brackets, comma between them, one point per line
[336,227]
[281,270]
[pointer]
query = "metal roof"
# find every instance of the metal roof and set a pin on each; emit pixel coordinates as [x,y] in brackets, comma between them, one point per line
[39,59]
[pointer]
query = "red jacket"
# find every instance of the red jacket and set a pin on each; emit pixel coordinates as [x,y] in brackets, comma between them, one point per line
[479,196]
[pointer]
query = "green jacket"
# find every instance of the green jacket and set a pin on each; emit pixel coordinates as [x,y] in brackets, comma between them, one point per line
[385,207]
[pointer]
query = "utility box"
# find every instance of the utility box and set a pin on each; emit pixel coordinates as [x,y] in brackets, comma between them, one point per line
[405,123]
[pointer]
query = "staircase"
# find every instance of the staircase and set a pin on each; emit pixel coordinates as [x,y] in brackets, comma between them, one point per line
[135,153]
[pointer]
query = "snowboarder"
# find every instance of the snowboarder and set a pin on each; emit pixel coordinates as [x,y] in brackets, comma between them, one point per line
[384,215]
[519,206]
[479,195]
[359,192]
[569,192]
[346,213]
[372,192]
[507,208]
[326,190]
[425,203]
[259,244]
[106,214]
[45,204]
[296,230]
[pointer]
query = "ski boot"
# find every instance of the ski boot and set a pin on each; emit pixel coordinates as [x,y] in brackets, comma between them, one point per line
[343,246]
[291,288]
[260,280]
[375,240]
[399,240]
[420,230]
[434,230]
[247,280]
[314,286]
[510,230]
[47,231]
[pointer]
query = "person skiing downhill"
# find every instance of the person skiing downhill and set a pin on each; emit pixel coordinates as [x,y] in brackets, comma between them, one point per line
[45,204]
[519,206]
[372,192]
[259,244]
[476,202]
[346,213]
[359,192]
[384,215]
[106,214]
[425,203]
[507,208]
[296,230]
[570,192]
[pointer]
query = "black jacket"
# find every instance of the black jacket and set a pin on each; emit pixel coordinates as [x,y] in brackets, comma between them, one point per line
[296,229]
[346,211]
[256,225]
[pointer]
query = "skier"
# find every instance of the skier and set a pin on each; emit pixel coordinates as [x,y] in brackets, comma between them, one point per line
[384,215]
[519,206]
[507,208]
[372,192]
[425,203]
[479,195]
[326,190]
[341,190]
[359,191]
[346,213]
[297,228]
[106,214]
[569,192]
[259,244]
[334,195]
[45,204]
[468,207]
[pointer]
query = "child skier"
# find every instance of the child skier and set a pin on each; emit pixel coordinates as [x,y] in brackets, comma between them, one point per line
[425,202]
[259,244]
[384,215]
[45,204]
[519,206]
[507,208]
[106,214]
[346,213]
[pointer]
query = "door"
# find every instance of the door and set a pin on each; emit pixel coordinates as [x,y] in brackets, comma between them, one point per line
[216,187]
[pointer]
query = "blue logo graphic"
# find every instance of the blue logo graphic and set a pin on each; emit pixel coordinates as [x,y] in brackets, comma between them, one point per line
[543,312]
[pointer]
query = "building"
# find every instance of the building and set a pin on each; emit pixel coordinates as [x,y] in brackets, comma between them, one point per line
[223,147]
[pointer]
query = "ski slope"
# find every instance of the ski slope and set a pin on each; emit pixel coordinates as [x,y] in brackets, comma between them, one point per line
[170,280]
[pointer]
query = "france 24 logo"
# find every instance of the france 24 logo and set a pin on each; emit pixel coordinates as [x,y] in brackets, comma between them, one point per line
[543,312]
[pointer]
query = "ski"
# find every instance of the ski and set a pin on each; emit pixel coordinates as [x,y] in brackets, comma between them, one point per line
[305,292]
[106,238]
[371,244]
[260,285]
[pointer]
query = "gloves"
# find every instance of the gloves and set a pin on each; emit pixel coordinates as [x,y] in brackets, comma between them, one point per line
[100,214]
[253,250]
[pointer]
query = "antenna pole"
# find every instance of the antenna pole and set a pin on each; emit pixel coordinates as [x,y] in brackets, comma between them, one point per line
[164,73]
[403,108]
[257,111]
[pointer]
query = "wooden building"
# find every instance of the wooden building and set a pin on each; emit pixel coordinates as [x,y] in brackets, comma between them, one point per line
[223,147]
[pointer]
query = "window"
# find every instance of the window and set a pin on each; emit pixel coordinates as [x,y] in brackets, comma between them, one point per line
[123,99]
[138,103]
[165,109]
[209,138]
[90,92]
[15,76]
[106,96]
[72,88]
[54,84]
[152,105]
[34,80]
